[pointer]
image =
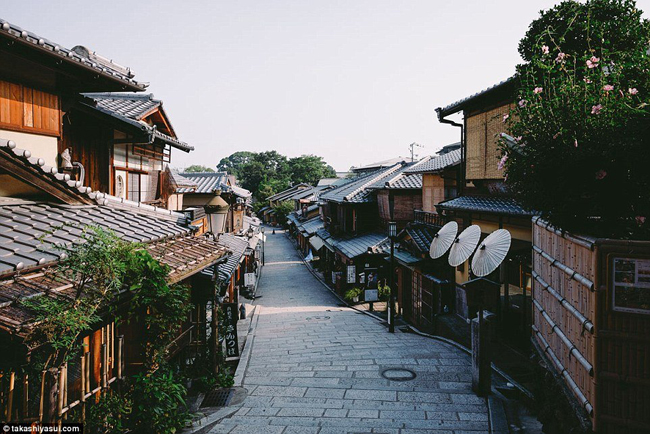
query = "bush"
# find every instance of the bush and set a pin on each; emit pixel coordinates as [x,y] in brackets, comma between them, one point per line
[581,147]
[350,294]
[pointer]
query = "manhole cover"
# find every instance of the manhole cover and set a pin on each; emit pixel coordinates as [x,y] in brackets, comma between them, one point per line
[217,398]
[309,318]
[398,374]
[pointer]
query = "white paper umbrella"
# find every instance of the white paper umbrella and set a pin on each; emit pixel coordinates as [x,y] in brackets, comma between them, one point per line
[464,245]
[443,239]
[491,252]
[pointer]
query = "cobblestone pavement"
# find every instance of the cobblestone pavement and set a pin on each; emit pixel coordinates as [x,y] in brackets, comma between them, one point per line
[316,367]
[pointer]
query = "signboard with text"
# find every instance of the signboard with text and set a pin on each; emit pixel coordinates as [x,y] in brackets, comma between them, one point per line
[249,279]
[231,315]
[352,273]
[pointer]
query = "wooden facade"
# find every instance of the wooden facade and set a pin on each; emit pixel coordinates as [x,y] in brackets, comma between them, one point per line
[482,152]
[398,205]
[592,323]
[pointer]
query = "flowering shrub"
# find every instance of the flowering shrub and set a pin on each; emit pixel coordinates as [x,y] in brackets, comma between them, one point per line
[581,148]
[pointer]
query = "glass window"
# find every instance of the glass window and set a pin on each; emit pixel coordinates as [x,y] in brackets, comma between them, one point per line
[134,187]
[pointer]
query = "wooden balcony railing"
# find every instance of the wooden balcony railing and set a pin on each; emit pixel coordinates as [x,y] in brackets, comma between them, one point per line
[429,218]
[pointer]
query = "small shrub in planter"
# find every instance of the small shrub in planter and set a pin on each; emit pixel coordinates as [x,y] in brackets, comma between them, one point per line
[352,295]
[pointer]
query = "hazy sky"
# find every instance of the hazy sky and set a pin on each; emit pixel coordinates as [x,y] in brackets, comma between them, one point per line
[354,81]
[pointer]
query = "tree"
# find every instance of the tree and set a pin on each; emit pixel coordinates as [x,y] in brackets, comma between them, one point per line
[234,162]
[309,169]
[195,168]
[581,147]
[282,210]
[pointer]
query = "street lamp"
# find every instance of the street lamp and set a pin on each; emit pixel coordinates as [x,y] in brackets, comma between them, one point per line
[392,233]
[217,211]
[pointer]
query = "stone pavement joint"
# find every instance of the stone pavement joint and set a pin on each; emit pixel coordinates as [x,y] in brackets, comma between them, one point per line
[315,367]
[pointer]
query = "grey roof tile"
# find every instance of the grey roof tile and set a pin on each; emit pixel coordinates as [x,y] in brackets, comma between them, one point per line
[486,204]
[458,105]
[206,182]
[359,190]
[352,247]
[32,233]
[130,108]
[76,55]
[438,163]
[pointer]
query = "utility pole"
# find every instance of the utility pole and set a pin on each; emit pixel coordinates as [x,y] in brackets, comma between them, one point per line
[412,146]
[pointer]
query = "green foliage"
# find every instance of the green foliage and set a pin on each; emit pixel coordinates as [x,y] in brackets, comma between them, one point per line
[110,415]
[163,307]
[158,403]
[581,119]
[309,169]
[267,173]
[234,163]
[282,210]
[102,266]
[383,292]
[196,168]
[350,294]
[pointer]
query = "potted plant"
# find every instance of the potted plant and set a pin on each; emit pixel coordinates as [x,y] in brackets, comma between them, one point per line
[352,295]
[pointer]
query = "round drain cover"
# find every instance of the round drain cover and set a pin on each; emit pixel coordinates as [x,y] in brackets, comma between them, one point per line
[398,374]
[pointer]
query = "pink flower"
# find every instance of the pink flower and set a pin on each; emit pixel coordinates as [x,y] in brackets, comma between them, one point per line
[502,163]
[505,118]
[545,49]
[601,174]
[633,91]
[538,90]
[522,103]
[608,87]
[518,139]
[595,110]
[586,80]
[560,57]
[576,143]
[593,62]
[640,219]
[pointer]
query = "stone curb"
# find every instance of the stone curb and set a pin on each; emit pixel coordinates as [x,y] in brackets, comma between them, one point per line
[240,372]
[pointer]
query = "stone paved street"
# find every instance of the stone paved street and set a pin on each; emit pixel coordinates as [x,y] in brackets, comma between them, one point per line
[316,367]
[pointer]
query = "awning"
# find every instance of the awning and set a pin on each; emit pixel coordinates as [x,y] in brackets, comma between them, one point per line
[316,243]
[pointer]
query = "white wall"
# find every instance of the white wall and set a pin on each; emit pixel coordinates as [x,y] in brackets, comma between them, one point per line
[44,147]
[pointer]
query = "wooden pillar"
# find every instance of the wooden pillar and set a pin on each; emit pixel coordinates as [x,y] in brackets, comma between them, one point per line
[481,362]
[25,396]
[83,387]
[215,338]
[10,397]
[120,356]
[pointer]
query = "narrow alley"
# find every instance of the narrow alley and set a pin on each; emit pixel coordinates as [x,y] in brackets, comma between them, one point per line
[318,367]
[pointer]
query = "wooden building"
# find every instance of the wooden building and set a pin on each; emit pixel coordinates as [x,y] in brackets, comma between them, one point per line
[49,194]
[483,199]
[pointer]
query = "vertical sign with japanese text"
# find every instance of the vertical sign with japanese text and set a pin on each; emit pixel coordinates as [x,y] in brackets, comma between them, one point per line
[231,315]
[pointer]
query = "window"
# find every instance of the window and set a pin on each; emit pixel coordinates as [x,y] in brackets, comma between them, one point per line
[134,187]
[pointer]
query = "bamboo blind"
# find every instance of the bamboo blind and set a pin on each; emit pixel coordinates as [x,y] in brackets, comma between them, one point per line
[483,152]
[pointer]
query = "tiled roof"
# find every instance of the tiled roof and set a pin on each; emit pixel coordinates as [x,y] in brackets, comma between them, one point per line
[130,108]
[30,232]
[49,174]
[460,104]
[379,164]
[206,182]
[438,163]
[236,245]
[422,235]
[311,226]
[241,192]
[185,255]
[79,56]
[180,182]
[134,106]
[400,179]
[355,246]
[486,204]
[286,194]
[293,218]
[400,254]
[359,190]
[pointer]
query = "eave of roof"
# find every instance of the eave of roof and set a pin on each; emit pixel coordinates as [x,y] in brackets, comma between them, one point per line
[151,132]
[463,103]
[486,204]
[62,54]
